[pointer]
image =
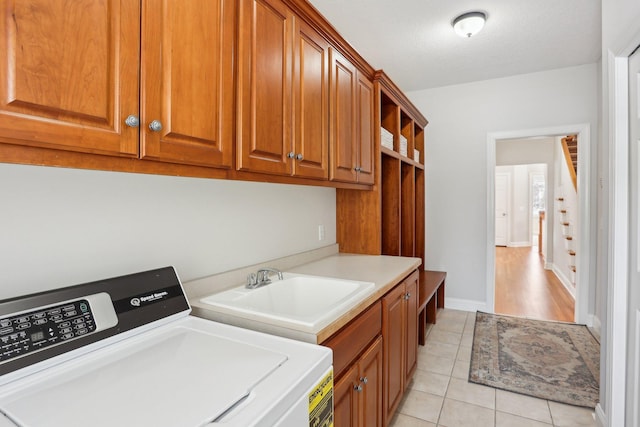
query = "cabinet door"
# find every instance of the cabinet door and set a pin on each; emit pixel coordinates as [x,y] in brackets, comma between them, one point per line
[265,50]
[187,81]
[393,330]
[69,74]
[411,357]
[311,103]
[371,376]
[342,121]
[365,141]
[346,407]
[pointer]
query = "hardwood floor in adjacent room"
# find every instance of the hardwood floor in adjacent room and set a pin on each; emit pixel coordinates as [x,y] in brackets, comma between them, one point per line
[525,288]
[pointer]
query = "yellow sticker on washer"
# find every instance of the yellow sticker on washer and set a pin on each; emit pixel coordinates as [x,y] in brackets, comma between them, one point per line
[321,403]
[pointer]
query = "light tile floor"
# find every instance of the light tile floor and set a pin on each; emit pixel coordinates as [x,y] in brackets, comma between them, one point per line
[441,395]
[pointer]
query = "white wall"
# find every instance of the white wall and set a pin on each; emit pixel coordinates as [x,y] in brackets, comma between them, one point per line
[520,222]
[60,227]
[456,158]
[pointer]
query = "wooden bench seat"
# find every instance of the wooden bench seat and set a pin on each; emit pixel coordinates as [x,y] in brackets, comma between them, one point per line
[430,299]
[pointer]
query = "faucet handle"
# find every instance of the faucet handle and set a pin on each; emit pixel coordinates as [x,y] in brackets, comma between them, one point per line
[252,280]
[263,277]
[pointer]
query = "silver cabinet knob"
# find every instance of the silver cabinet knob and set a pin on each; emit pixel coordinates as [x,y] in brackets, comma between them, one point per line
[364,380]
[299,156]
[291,154]
[358,169]
[132,121]
[358,388]
[155,126]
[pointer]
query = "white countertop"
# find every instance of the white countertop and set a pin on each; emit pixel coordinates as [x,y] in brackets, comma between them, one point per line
[384,271]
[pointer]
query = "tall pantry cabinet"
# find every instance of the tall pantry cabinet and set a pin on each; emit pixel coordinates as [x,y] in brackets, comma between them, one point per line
[389,220]
[124,78]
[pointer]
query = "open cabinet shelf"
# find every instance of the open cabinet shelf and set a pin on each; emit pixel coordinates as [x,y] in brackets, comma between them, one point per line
[389,219]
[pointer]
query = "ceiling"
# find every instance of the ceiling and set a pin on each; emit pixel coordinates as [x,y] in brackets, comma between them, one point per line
[414,43]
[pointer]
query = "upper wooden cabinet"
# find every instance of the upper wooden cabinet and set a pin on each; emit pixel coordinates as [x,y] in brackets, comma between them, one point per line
[282,92]
[365,137]
[311,102]
[187,81]
[69,74]
[351,123]
[70,77]
[262,90]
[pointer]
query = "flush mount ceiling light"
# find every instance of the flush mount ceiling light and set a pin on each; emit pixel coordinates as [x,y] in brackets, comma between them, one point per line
[469,24]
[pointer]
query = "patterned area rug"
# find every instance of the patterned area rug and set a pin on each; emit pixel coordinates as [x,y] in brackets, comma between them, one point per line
[550,360]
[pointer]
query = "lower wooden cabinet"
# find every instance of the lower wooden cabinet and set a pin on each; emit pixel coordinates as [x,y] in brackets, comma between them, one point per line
[374,357]
[400,333]
[411,345]
[358,394]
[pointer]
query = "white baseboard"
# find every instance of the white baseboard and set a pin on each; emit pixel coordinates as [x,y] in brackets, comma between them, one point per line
[564,280]
[593,321]
[518,244]
[548,266]
[601,419]
[464,304]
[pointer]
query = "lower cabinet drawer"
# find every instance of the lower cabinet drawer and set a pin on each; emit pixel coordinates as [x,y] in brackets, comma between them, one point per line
[351,340]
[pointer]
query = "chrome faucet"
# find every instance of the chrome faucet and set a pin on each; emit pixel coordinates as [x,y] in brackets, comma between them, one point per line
[261,278]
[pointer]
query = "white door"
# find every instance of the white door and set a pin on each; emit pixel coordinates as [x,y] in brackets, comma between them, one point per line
[633,320]
[502,205]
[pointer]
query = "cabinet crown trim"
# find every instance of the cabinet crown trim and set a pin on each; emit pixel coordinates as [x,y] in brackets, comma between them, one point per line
[399,97]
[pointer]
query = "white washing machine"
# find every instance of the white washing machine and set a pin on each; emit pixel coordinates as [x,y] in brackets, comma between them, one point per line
[126,352]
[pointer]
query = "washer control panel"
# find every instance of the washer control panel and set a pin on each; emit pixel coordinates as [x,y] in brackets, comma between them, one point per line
[30,331]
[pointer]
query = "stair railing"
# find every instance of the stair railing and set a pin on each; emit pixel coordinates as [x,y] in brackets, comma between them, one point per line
[568,159]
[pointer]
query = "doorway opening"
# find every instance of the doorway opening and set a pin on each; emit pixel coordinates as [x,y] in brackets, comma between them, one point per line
[525,284]
[524,146]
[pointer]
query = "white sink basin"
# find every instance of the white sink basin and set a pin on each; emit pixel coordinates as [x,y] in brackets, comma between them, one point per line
[305,303]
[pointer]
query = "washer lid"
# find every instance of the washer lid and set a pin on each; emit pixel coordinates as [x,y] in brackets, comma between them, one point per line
[183,377]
